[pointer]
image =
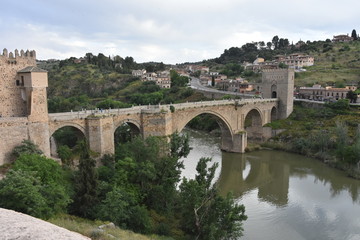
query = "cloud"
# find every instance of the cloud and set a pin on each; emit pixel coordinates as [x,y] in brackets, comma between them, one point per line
[168,31]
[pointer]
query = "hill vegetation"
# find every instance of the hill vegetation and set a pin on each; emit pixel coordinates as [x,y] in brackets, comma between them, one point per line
[336,63]
[84,85]
[330,133]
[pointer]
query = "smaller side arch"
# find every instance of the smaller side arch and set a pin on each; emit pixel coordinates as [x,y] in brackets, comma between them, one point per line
[253,122]
[65,134]
[125,130]
[254,117]
[133,122]
[54,128]
[273,114]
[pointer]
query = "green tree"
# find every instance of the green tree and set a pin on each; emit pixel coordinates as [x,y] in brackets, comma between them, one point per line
[341,131]
[26,147]
[66,155]
[352,96]
[177,80]
[275,42]
[354,35]
[204,213]
[86,183]
[122,207]
[45,184]
[21,191]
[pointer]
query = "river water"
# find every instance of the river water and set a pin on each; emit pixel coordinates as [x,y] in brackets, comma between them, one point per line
[286,196]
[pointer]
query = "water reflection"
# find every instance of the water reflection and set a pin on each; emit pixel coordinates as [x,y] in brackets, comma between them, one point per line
[270,171]
[286,196]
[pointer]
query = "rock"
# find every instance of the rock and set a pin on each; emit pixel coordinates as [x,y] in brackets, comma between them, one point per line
[19,226]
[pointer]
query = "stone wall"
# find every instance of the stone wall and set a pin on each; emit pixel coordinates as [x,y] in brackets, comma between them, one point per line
[12,132]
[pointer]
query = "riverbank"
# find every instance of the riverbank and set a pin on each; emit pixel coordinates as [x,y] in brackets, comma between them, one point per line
[324,157]
[330,133]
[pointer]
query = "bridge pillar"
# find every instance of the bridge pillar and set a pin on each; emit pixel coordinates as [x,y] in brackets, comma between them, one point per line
[239,142]
[100,131]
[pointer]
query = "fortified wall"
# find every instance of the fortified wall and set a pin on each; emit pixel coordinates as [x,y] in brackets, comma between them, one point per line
[23,102]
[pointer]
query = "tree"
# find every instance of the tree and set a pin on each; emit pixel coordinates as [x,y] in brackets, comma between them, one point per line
[204,213]
[177,80]
[275,42]
[269,45]
[26,147]
[354,35]
[352,96]
[36,185]
[21,191]
[86,183]
[341,131]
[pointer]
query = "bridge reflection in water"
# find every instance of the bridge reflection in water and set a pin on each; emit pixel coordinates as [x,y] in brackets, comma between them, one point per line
[269,172]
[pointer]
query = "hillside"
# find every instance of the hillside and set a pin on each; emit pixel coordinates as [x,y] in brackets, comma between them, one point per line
[335,63]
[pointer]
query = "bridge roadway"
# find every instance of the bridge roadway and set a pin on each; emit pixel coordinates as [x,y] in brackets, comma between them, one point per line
[98,126]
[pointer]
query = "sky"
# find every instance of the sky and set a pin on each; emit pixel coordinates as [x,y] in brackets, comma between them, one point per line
[169,31]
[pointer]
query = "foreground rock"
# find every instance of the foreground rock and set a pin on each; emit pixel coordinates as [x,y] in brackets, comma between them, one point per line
[19,226]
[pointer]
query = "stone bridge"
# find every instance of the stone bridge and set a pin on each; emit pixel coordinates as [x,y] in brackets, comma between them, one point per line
[238,119]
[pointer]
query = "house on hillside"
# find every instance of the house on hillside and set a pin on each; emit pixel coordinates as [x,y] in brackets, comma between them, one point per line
[342,38]
[319,93]
[138,73]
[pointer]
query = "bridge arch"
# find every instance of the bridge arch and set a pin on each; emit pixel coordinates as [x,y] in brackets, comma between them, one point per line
[253,122]
[125,130]
[254,117]
[223,123]
[67,124]
[65,134]
[273,114]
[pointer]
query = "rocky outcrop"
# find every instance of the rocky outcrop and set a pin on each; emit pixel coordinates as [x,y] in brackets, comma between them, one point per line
[19,226]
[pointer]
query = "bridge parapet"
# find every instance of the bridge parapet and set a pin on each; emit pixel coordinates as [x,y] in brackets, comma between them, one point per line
[151,108]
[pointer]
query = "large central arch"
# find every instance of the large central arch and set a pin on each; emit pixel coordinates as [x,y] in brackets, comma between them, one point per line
[226,131]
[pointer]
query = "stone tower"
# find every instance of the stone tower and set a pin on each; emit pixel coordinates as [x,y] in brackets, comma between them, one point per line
[12,103]
[23,103]
[279,83]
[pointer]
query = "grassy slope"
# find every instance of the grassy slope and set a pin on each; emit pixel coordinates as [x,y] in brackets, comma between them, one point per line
[336,65]
[90,229]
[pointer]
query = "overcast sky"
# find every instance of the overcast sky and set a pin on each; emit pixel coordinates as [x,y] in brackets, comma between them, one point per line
[171,31]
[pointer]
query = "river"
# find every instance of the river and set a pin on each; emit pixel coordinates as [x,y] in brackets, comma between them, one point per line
[286,196]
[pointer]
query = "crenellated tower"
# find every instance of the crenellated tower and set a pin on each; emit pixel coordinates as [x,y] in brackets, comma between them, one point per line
[16,85]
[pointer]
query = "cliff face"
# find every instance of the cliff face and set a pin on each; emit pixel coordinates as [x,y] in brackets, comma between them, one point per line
[14,225]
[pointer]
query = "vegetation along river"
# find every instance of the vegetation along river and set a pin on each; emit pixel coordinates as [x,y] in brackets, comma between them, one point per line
[286,196]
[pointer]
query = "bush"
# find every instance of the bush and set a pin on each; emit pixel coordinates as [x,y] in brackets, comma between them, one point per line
[26,147]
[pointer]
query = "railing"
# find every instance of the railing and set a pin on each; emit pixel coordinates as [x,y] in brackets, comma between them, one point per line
[152,108]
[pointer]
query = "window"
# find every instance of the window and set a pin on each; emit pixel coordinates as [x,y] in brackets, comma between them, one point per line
[17,82]
[22,80]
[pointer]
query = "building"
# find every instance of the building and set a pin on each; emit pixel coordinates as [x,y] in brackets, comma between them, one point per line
[342,38]
[295,60]
[138,73]
[149,76]
[319,93]
[163,81]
